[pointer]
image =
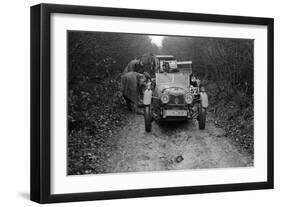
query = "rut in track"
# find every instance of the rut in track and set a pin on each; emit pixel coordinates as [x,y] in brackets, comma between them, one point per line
[172,146]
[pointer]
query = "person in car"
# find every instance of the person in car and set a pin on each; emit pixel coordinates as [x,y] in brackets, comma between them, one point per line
[193,81]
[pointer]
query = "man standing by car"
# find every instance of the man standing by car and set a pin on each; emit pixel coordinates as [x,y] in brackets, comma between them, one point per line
[144,63]
[148,61]
[135,65]
[131,83]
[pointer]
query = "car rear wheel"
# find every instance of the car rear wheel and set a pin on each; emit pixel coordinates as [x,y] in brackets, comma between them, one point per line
[147,118]
[202,117]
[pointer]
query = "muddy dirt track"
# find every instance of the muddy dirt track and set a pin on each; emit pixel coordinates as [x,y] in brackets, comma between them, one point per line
[172,146]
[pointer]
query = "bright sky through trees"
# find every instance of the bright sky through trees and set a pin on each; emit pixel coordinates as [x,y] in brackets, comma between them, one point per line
[157,40]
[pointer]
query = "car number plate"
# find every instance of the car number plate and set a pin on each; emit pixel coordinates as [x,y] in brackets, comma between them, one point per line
[175,113]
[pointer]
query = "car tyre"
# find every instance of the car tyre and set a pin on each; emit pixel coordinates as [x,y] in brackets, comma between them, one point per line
[147,118]
[202,117]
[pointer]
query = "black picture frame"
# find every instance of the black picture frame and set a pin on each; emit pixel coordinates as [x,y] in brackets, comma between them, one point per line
[41,95]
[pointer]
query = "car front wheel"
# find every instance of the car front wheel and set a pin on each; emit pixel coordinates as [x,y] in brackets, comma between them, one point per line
[202,117]
[147,118]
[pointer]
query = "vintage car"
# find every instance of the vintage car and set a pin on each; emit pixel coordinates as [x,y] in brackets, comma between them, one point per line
[174,94]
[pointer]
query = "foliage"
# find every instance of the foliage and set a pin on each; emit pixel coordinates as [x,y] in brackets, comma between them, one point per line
[95,104]
[217,59]
[226,67]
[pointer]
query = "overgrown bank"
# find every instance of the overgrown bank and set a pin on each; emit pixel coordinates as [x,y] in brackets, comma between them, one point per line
[94,111]
[234,112]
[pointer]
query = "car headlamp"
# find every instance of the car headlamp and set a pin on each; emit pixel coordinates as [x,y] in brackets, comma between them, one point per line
[188,98]
[165,98]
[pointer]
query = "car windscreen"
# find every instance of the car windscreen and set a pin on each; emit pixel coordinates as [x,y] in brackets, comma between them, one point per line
[166,78]
[167,59]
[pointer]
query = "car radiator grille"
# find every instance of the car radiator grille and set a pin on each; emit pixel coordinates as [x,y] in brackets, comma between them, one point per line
[176,99]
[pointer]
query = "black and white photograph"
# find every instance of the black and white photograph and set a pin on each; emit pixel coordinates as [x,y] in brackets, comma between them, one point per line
[140,103]
[145,102]
[129,103]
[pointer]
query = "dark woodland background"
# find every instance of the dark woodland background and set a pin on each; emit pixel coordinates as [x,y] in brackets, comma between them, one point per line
[95,104]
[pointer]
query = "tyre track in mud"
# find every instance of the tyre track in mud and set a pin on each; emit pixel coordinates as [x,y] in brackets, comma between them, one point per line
[172,146]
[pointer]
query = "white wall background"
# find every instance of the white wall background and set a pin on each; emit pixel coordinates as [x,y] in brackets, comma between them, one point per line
[14,103]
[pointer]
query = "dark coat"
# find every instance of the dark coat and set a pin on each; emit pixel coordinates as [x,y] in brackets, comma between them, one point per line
[130,86]
[148,61]
[131,82]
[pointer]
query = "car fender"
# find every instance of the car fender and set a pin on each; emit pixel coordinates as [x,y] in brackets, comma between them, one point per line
[204,99]
[147,97]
